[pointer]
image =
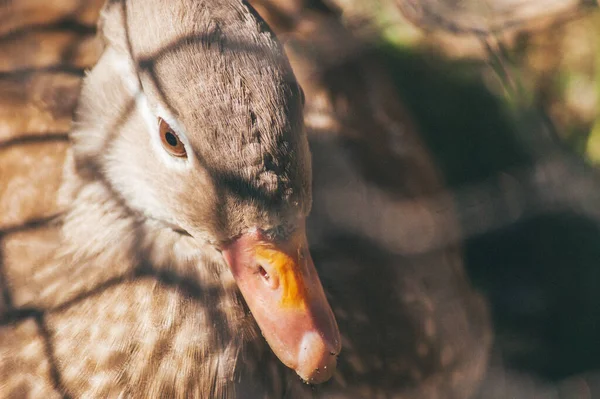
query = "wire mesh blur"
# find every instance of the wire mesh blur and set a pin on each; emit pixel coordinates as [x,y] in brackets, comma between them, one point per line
[505,95]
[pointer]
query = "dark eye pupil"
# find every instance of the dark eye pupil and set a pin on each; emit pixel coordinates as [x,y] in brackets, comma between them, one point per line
[171,139]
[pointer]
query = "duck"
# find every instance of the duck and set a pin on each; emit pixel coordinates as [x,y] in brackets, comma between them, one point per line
[173,259]
[227,141]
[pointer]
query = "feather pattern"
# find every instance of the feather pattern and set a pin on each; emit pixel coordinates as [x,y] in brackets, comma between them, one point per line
[104,295]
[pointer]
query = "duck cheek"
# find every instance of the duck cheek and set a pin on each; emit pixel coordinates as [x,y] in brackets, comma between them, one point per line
[287,301]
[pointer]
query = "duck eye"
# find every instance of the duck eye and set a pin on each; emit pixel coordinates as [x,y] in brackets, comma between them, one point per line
[169,139]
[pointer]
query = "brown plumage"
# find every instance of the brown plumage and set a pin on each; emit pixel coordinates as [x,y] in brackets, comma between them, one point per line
[121,302]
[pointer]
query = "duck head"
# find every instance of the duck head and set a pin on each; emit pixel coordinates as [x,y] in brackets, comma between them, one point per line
[193,117]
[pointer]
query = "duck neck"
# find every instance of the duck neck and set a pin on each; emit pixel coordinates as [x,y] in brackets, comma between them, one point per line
[101,230]
[113,260]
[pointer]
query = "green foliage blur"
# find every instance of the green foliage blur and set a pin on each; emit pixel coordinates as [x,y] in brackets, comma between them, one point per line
[489,106]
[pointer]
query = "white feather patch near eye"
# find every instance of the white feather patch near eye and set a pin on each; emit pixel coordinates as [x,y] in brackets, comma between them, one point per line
[127,74]
[131,82]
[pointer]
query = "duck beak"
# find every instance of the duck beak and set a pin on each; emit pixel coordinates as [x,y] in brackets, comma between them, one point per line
[282,289]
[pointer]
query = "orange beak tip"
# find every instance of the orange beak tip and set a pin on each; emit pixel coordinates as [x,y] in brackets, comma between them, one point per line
[293,314]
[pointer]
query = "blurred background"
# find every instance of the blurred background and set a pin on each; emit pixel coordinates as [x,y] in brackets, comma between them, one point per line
[504,95]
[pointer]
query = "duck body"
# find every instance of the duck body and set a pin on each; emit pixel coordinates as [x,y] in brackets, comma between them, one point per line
[116,297]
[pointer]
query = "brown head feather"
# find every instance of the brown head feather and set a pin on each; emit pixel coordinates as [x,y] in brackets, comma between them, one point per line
[221,74]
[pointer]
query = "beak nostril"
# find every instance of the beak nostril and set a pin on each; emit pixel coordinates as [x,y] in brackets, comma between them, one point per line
[270,280]
[263,273]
